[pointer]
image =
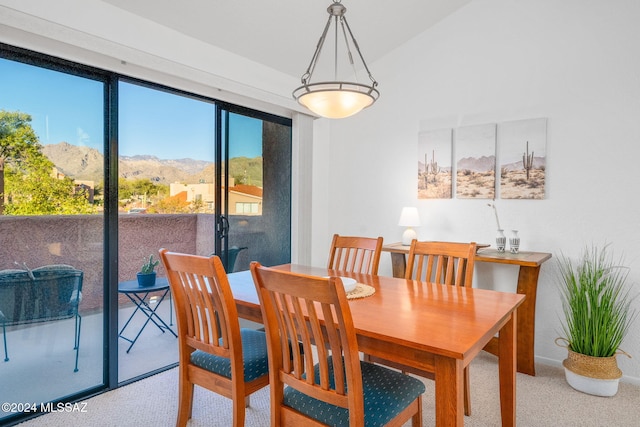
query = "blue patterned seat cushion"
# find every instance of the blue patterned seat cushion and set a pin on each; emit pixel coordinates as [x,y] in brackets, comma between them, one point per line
[254,353]
[386,394]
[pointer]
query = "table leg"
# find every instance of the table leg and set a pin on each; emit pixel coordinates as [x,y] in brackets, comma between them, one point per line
[145,307]
[527,285]
[142,305]
[449,378]
[507,371]
[131,316]
[398,265]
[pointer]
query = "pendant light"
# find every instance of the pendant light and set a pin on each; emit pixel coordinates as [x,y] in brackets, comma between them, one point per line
[336,99]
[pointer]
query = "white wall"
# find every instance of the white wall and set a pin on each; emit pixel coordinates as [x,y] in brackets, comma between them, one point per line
[575,62]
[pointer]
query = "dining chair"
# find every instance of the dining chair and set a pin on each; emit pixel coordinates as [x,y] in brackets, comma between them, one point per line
[449,263]
[330,385]
[355,254]
[214,352]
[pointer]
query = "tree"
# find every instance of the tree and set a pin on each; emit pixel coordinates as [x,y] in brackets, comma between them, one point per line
[27,180]
[33,189]
[18,141]
[171,205]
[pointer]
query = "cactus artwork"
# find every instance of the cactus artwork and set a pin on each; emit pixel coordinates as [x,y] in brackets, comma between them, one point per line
[433,168]
[527,161]
[523,159]
[434,177]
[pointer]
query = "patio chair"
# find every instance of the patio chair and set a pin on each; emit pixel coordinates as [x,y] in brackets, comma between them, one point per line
[233,255]
[333,387]
[48,293]
[215,352]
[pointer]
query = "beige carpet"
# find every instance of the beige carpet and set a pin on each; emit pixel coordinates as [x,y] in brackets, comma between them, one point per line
[543,400]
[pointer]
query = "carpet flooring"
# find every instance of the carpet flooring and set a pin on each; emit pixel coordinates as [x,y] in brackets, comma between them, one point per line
[545,400]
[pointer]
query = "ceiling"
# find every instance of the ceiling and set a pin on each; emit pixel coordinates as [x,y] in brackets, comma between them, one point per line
[282,34]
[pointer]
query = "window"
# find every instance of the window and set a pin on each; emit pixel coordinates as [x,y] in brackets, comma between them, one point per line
[247,208]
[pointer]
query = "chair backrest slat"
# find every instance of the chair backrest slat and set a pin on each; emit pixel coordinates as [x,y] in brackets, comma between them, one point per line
[441,262]
[355,254]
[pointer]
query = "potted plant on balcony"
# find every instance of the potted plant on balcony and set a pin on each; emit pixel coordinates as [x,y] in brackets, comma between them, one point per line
[147,274]
[596,303]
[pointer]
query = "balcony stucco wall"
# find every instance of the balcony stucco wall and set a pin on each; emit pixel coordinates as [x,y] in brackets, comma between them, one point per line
[77,240]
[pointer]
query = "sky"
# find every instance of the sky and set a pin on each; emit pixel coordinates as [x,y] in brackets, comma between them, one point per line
[69,108]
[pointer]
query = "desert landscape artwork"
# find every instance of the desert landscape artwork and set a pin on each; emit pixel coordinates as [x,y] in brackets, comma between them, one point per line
[523,159]
[476,161]
[434,164]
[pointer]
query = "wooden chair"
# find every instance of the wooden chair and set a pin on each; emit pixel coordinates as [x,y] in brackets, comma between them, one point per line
[330,386]
[439,262]
[214,352]
[355,254]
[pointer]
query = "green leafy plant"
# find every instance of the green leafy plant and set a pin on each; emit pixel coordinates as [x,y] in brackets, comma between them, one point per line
[149,265]
[596,302]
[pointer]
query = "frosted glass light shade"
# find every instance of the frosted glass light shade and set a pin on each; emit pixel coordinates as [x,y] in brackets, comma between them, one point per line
[336,100]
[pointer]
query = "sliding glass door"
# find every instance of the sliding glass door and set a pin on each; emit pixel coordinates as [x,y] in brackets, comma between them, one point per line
[97,173]
[51,235]
[197,177]
[255,213]
[166,181]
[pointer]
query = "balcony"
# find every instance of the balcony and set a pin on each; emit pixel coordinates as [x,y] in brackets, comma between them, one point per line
[41,355]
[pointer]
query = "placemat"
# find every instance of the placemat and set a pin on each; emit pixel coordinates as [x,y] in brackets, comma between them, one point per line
[361,291]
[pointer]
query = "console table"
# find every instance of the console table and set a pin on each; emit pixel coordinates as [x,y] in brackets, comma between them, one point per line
[529,268]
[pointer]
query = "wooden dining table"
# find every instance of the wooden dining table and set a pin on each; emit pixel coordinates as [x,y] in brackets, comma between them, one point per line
[529,264]
[427,325]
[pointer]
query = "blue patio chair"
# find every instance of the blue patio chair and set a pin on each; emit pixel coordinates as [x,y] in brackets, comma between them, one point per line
[47,293]
[233,255]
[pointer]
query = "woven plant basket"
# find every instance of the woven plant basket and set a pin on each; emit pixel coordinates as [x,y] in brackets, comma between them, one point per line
[598,376]
[602,368]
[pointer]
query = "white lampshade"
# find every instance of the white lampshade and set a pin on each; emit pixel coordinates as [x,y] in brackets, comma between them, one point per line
[409,218]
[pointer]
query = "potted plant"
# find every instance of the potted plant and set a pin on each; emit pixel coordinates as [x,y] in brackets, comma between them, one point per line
[596,303]
[147,274]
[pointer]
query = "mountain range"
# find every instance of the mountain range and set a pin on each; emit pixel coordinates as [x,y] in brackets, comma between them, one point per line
[84,163]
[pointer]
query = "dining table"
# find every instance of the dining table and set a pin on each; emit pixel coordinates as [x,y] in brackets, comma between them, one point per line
[528,264]
[427,325]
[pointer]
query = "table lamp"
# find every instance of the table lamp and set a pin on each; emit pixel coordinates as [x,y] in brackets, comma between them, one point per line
[409,218]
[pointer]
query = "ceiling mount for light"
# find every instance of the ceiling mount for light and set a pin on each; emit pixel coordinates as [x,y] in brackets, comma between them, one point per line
[336,99]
